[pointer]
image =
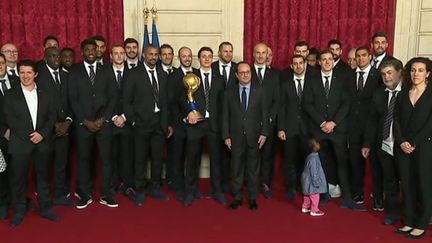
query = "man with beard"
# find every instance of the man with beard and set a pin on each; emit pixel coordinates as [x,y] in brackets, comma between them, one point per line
[101,45]
[131,48]
[54,80]
[380,45]
[166,57]
[176,145]
[341,68]
[67,58]
[302,48]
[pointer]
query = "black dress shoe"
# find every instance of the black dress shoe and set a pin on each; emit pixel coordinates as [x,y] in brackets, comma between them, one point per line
[253,205]
[403,232]
[17,219]
[50,215]
[416,237]
[391,219]
[236,204]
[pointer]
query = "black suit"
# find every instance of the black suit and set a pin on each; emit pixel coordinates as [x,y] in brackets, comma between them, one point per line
[22,150]
[231,79]
[374,141]
[342,69]
[386,58]
[91,102]
[293,120]
[61,144]
[413,124]
[334,108]
[271,89]
[209,130]
[4,183]
[150,128]
[359,113]
[244,129]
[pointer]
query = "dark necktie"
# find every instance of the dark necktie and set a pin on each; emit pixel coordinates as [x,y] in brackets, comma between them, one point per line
[99,64]
[56,78]
[207,89]
[119,78]
[244,99]
[155,88]
[360,82]
[169,71]
[92,74]
[132,65]
[13,71]
[260,77]
[299,89]
[327,86]
[375,65]
[389,116]
[3,85]
[224,73]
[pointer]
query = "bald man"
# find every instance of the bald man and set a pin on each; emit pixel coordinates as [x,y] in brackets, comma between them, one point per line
[11,53]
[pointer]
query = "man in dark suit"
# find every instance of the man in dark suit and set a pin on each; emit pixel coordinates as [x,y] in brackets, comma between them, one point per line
[145,105]
[10,51]
[101,45]
[55,81]
[341,68]
[49,41]
[225,67]
[131,48]
[268,79]
[208,98]
[122,140]
[6,83]
[166,57]
[327,104]
[245,127]
[30,117]
[292,122]
[177,143]
[380,45]
[379,135]
[302,48]
[67,58]
[92,100]
[361,85]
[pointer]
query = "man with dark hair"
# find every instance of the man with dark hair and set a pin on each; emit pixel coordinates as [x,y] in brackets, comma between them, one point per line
[245,130]
[302,48]
[7,82]
[67,58]
[379,138]
[361,85]
[327,103]
[145,106]
[166,57]
[292,122]
[313,57]
[101,45]
[131,47]
[31,126]
[53,80]
[92,101]
[268,79]
[49,41]
[341,68]
[380,45]
[209,98]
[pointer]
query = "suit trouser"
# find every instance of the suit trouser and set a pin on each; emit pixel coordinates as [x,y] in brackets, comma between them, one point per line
[295,155]
[338,147]
[4,181]
[196,134]
[122,156]
[18,174]
[268,157]
[391,182]
[415,174]
[225,166]
[176,156]
[85,141]
[61,163]
[245,162]
[358,168]
[148,140]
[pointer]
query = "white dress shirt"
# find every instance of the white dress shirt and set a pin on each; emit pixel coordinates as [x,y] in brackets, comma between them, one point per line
[227,68]
[387,143]
[148,69]
[7,82]
[302,78]
[365,74]
[87,67]
[207,114]
[31,98]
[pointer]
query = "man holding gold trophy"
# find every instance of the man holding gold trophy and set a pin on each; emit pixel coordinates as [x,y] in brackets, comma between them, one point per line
[203,99]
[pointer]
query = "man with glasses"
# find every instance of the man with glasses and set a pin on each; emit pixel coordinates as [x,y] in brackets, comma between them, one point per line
[11,53]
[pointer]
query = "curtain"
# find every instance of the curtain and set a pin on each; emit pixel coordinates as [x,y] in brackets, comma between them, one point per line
[26,23]
[281,23]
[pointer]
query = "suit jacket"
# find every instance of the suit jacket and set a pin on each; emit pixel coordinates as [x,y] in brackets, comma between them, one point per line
[46,82]
[232,79]
[20,122]
[138,100]
[413,123]
[386,58]
[360,103]
[90,102]
[342,69]
[14,81]
[271,88]
[292,118]
[320,109]
[251,123]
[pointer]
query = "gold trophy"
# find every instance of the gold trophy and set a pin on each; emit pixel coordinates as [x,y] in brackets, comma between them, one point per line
[192,82]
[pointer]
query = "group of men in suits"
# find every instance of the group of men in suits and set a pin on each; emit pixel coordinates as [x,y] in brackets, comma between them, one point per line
[132,110]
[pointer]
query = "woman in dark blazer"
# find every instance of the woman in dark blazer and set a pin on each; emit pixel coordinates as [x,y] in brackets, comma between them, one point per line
[413,147]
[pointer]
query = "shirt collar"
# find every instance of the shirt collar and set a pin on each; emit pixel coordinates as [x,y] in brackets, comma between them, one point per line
[247,86]
[398,88]
[28,91]
[185,70]
[117,69]
[380,57]
[366,70]
[221,64]
[329,74]
[52,70]
[149,68]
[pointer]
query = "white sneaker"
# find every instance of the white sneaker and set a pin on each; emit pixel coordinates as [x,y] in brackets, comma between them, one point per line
[335,192]
[305,210]
[318,213]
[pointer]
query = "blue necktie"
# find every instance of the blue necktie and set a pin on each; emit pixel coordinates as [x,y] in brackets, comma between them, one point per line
[244,99]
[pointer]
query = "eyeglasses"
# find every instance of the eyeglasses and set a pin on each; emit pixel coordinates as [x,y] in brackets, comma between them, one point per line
[9,52]
[244,73]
